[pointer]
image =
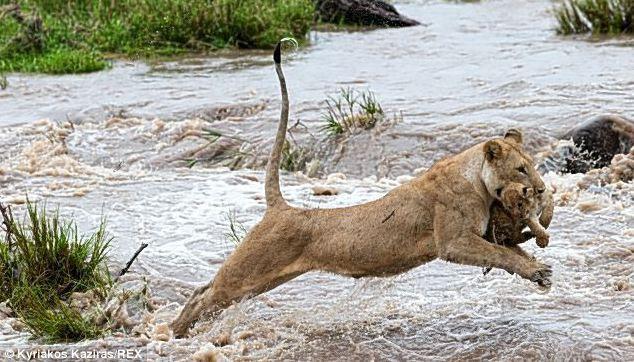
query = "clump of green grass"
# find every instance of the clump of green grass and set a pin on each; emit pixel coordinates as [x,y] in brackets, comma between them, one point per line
[350,110]
[294,157]
[43,260]
[49,318]
[80,32]
[611,17]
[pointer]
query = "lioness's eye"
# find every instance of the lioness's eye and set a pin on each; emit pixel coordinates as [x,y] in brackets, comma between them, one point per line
[522,169]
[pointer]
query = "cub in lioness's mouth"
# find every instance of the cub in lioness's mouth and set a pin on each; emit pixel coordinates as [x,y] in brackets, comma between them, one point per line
[442,213]
[519,206]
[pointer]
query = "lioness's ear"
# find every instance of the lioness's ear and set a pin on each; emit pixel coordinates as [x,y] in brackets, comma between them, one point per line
[492,150]
[514,135]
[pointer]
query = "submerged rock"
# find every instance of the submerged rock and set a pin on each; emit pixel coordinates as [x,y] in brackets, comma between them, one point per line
[361,12]
[597,141]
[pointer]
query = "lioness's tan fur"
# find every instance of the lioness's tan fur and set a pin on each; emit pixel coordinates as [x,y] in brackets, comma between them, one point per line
[440,214]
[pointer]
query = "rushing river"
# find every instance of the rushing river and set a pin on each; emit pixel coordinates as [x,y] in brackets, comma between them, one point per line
[468,73]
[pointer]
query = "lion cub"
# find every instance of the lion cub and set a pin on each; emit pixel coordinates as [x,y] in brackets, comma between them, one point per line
[520,206]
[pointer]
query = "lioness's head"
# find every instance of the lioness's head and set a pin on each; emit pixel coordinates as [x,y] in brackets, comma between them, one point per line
[505,161]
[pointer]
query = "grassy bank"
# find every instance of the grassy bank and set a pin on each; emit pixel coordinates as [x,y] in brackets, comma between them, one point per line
[610,17]
[59,36]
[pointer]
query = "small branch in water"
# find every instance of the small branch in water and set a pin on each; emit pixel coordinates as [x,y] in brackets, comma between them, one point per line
[118,166]
[388,217]
[129,264]
[4,83]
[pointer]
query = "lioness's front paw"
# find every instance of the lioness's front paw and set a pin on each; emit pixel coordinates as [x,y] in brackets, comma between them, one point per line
[542,275]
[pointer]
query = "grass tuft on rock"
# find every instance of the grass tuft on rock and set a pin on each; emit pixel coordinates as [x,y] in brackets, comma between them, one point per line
[43,260]
[350,110]
[294,157]
[611,17]
[50,318]
[58,36]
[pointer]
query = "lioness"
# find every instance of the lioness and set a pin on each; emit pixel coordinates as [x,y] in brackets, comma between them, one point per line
[440,214]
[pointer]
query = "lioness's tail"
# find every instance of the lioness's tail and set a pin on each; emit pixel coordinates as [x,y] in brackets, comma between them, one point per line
[272,184]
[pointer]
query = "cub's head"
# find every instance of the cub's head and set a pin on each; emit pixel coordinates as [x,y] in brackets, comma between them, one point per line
[517,199]
[505,161]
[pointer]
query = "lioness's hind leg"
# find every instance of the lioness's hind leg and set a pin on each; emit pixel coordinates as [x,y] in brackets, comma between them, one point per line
[213,300]
[254,268]
[191,311]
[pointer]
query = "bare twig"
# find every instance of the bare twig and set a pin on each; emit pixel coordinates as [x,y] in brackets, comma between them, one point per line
[7,220]
[129,264]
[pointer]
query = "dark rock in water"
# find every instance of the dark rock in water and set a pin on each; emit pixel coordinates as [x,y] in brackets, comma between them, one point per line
[361,12]
[597,141]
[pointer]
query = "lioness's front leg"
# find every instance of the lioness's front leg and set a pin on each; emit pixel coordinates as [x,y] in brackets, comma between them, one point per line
[471,249]
[458,243]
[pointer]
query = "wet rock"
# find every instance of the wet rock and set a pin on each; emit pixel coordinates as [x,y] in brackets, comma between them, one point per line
[319,190]
[86,301]
[403,179]
[597,141]
[590,205]
[621,285]
[116,314]
[371,179]
[208,355]
[361,12]
[246,335]
[5,311]
[222,339]
[17,325]
[161,332]
[166,313]
[335,177]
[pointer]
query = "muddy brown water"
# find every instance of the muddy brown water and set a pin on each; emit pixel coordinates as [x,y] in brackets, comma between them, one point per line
[471,71]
